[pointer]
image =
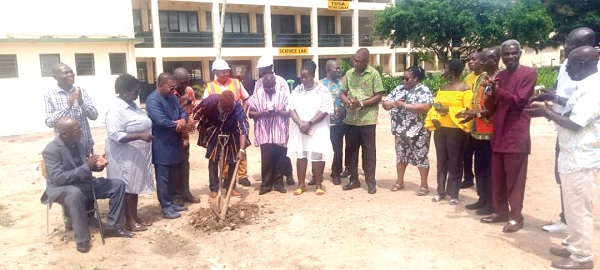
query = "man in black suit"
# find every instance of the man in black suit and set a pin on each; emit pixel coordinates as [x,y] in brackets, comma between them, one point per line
[70,183]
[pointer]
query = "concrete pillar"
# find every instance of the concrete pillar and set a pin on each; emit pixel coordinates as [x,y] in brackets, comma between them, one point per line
[408,60]
[338,23]
[267,26]
[437,62]
[314,29]
[355,21]
[144,16]
[202,21]
[252,21]
[131,64]
[393,63]
[156,35]
[206,70]
[315,59]
[254,69]
[298,66]
[377,60]
[150,71]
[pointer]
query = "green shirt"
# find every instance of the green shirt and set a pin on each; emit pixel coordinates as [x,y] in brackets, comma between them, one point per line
[362,86]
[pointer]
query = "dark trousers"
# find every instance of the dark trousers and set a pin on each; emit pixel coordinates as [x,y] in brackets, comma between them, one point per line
[468,160]
[286,166]
[336,135]
[272,156]
[509,174]
[483,170]
[450,146]
[181,179]
[364,137]
[74,197]
[557,178]
[164,188]
[213,175]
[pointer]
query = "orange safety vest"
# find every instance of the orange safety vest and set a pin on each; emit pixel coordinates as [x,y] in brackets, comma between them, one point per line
[233,85]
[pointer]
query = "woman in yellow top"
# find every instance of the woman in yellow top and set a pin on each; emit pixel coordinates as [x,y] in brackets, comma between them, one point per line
[450,136]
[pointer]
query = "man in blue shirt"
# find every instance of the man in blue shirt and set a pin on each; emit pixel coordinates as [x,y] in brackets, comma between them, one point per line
[168,121]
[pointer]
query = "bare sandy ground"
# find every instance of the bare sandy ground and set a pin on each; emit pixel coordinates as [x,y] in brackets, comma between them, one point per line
[340,230]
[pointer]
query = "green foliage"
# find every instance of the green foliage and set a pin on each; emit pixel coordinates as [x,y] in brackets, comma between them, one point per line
[198,90]
[568,15]
[344,67]
[450,27]
[426,57]
[389,83]
[547,76]
[379,69]
[434,81]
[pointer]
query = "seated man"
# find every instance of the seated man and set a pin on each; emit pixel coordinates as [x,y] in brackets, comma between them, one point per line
[70,181]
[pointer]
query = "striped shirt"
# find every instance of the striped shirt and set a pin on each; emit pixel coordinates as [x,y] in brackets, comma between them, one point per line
[270,129]
[57,106]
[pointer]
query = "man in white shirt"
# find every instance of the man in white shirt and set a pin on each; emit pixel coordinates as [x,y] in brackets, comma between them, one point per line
[579,159]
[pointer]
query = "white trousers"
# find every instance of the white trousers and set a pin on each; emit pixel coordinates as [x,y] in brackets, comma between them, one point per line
[578,194]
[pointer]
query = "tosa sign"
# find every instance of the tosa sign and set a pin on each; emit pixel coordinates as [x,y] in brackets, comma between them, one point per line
[338,5]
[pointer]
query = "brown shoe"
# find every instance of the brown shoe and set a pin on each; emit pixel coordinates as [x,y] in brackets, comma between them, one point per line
[235,193]
[191,199]
[178,201]
[512,226]
[560,252]
[494,218]
[568,263]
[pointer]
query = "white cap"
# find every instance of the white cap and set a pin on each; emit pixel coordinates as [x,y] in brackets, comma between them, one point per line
[265,61]
[220,64]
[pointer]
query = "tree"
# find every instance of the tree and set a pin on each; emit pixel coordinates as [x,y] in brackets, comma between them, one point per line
[568,15]
[450,27]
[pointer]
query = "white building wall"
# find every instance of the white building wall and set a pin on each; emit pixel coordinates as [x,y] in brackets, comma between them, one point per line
[23,108]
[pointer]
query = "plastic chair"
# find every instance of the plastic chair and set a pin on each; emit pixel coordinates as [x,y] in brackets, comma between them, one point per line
[291,83]
[95,210]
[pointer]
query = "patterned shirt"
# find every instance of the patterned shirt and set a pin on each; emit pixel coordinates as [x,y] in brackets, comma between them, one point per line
[187,100]
[581,149]
[362,87]
[405,123]
[57,106]
[339,111]
[272,128]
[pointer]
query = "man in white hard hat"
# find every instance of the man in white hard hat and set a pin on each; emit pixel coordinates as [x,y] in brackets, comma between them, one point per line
[224,82]
[265,66]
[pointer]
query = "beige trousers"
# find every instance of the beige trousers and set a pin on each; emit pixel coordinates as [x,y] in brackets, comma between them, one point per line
[578,194]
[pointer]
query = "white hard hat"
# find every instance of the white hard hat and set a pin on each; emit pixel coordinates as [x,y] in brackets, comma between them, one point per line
[220,64]
[265,61]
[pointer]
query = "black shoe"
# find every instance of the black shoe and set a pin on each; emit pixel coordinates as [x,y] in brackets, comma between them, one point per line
[177,200]
[290,180]
[560,252]
[264,191]
[179,208]
[336,180]
[345,173]
[118,233]
[475,206]
[352,185]
[467,184]
[494,218]
[568,263]
[170,214]
[372,190]
[245,182]
[484,211]
[83,247]
[312,181]
[280,188]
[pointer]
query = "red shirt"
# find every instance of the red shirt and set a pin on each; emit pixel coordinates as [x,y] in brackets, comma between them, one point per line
[508,103]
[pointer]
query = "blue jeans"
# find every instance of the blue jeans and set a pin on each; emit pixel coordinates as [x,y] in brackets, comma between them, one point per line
[164,174]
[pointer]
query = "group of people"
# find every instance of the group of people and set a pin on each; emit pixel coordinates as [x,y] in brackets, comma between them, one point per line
[486,116]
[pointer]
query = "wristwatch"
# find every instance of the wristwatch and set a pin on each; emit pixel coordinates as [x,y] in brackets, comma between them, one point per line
[478,114]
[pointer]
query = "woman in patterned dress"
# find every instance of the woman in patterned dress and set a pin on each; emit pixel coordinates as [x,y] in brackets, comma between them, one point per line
[129,148]
[408,105]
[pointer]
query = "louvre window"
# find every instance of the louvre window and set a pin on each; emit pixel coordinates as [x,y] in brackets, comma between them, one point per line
[84,64]
[8,66]
[47,61]
[118,63]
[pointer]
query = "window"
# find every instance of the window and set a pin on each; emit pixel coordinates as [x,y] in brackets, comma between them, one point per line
[137,20]
[208,21]
[84,64]
[326,24]
[118,63]
[305,24]
[8,66]
[178,21]
[47,61]
[237,23]
[283,24]
[260,23]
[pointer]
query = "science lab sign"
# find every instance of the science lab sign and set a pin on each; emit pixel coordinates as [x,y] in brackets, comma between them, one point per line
[338,5]
[292,51]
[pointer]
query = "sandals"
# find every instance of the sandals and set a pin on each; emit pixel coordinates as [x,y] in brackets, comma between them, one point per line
[320,191]
[136,228]
[397,187]
[298,191]
[453,201]
[423,191]
[437,198]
